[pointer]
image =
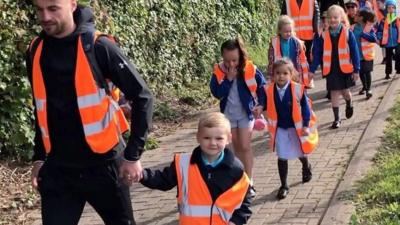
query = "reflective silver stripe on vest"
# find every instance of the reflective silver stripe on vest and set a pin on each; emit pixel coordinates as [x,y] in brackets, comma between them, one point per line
[44,132]
[298,94]
[303,28]
[97,127]
[92,99]
[40,103]
[251,82]
[195,210]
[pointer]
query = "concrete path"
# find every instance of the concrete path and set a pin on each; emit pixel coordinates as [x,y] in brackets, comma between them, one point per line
[306,203]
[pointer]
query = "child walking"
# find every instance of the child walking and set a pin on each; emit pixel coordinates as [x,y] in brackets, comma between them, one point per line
[337,51]
[366,39]
[238,84]
[212,185]
[291,122]
[286,44]
[388,35]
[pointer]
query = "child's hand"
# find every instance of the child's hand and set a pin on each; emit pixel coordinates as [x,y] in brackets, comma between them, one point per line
[231,74]
[305,131]
[310,76]
[257,111]
[355,76]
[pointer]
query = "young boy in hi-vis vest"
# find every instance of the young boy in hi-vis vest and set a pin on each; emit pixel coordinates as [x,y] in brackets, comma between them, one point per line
[212,185]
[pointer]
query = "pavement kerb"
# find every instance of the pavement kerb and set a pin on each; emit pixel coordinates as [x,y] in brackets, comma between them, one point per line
[340,210]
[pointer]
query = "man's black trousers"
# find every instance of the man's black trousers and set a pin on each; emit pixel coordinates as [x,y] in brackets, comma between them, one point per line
[64,192]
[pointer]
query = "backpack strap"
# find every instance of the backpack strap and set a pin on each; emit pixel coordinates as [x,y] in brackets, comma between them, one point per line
[33,46]
[88,42]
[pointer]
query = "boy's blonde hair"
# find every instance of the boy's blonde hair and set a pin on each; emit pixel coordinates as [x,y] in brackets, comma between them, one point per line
[288,63]
[214,119]
[285,20]
[340,10]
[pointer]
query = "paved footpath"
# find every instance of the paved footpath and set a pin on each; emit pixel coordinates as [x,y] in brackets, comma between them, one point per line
[306,203]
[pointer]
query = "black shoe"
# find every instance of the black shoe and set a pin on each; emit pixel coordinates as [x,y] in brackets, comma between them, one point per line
[283,192]
[361,92]
[349,112]
[387,77]
[383,60]
[253,192]
[368,94]
[336,124]
[307,174]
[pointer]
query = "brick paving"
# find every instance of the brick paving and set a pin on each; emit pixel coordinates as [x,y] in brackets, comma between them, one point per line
[306,203]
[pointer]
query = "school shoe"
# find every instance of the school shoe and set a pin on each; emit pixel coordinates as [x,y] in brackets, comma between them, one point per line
[362,91]
[282,193]
[368,94]
[349,111]
[336,124]
[387,77]
[307,174]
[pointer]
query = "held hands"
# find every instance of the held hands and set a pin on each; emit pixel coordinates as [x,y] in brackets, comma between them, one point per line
[355,76]
[305,131]
[35,173]
[130,172]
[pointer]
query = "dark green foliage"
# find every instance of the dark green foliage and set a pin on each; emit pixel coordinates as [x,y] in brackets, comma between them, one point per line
[173,43]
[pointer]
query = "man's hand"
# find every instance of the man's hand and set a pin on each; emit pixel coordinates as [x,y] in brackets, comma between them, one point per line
[35,173]
[130,172]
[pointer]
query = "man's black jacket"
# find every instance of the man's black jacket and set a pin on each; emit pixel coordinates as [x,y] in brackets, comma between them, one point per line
[58,62]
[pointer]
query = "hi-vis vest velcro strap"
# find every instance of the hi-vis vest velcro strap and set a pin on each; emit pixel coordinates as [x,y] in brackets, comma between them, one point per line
[302,16]
[102,119]
[249,76]
[194,200]
[276,45]
[343,52]
[386,31]
[307,143]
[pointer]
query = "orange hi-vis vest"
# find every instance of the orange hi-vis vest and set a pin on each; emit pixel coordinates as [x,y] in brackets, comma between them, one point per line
[309,142]
[249,76]
[343,51]
[367,48]
[303,17]
[303,59]
[378,13]
[102,119]
[385,35]
[195,203]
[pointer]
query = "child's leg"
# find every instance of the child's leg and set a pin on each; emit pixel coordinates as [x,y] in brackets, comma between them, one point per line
[397,59]
[368,81]
[335,101]
[283,172]
[363,81]
[243,149]
[388,68]
[306,168]
[349,103]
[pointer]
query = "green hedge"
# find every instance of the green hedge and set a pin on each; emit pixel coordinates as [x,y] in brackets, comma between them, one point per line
[174,43]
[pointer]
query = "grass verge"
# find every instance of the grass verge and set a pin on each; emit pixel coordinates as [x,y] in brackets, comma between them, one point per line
[378,195]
